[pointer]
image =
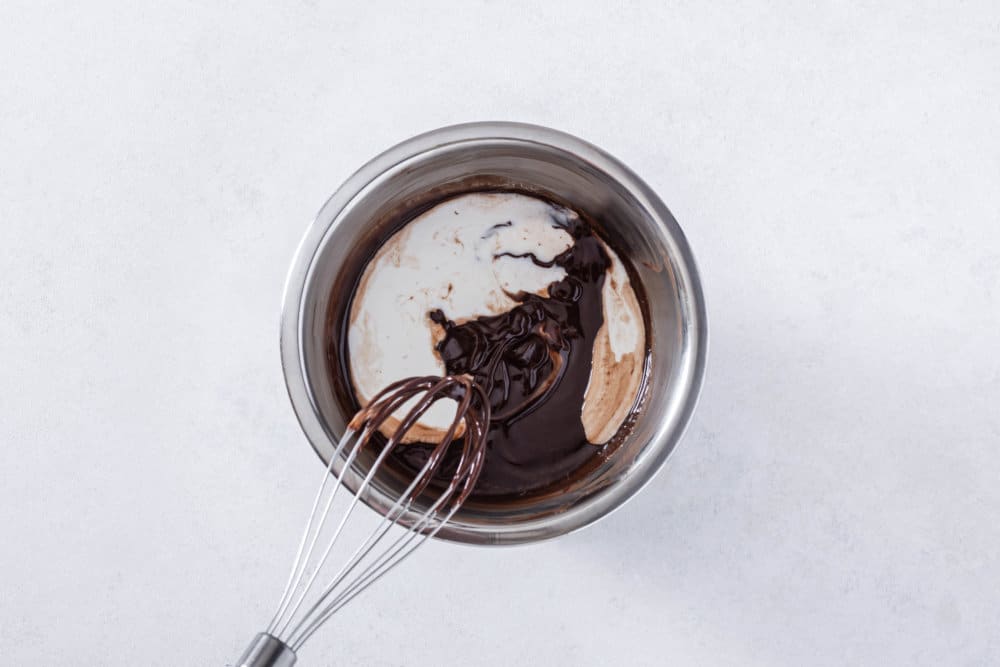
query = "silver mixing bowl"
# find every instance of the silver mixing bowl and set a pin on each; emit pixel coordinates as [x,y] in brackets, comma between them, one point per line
[458,158]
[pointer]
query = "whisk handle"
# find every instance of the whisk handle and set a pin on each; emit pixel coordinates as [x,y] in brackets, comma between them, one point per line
[267,651]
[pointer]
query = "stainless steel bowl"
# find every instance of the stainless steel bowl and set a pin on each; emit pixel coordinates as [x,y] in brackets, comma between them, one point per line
[456,158]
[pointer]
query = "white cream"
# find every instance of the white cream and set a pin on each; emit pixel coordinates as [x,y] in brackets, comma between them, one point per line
[453,258]
[446,259]
[617,364]
[622,315]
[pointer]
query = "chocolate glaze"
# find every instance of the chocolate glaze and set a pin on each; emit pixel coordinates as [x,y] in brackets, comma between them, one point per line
[562,460]
[534,364]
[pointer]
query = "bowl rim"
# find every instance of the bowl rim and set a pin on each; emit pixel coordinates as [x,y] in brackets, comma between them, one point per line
[668,433]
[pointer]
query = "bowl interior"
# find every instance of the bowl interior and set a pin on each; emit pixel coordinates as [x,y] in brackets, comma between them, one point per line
[632,219]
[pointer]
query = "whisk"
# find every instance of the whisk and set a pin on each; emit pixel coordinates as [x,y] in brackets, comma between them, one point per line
[296,620]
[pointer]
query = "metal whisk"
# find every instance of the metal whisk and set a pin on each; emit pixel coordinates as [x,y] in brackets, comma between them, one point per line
[296,620]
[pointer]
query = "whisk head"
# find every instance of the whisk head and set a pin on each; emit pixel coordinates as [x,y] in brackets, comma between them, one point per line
[304,605]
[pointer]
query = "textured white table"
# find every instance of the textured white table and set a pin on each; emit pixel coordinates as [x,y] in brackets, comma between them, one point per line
[835,500]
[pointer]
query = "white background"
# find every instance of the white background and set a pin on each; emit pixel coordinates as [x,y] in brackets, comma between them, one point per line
[835,168]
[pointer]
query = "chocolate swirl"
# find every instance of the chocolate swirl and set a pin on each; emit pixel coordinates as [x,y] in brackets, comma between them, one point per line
[534,363]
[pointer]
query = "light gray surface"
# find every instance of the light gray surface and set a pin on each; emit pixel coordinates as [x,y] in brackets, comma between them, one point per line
[835,500]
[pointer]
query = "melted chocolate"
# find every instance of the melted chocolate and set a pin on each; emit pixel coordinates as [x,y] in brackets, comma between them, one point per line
[534,363]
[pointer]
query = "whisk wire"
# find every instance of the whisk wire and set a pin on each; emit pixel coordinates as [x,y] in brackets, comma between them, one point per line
[312,620]
[291,627]
[299,563]
[389,559]
[399,508]
[381,567]
[384,404]
[390,518]
[319,527]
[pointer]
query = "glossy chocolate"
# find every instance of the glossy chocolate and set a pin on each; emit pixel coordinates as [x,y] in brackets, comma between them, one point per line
[534,363]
